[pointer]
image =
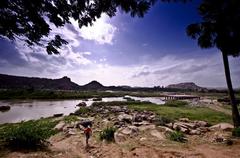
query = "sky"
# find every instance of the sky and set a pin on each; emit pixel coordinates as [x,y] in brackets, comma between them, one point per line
[149,51]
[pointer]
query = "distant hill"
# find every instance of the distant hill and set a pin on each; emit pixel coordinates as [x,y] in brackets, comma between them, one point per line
[17,82]
[93,85]
[186,86]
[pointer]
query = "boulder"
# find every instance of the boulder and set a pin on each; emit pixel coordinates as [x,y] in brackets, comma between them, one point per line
[201,123]
[140,123]
[125,117]
[146,127]
[130,130]
[195,132]
[60,126]
[184,119]
[119,137]
[164,129]
[82,104]
[222,126]
[58,115]
[157,134]
[4,108]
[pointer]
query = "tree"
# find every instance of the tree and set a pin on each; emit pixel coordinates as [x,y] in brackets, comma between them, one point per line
[30,20]
[220,27]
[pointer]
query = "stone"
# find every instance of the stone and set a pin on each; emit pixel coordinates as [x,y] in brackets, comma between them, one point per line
[130,130]
[60,126]
[4,108]
[58,115]
[125,117]
[201,123]
[146,127]
[143,139]
[164,129]
[195,132]
[140,123]
[157,134]
[169,125]
[222,126]
[119,137]
[82,104]
[184,120]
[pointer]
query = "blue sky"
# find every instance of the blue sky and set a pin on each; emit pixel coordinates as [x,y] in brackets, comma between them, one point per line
[148,51]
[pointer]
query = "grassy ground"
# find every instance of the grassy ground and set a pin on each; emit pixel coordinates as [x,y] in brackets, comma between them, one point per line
[176,112]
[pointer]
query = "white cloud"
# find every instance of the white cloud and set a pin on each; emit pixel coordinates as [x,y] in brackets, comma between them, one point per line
[101,31]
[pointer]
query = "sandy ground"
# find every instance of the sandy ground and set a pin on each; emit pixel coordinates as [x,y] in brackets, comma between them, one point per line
[141,146]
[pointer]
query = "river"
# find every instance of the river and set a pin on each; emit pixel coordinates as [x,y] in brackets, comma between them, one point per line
[22,110]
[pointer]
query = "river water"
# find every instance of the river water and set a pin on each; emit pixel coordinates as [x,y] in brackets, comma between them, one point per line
[22,110]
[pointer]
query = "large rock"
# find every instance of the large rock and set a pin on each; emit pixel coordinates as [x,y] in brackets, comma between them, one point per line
[164,129]
[157,134]
[60,126]
[119,137]
[222,126]
[125,117]
[4,108]
[201,123]
[147,127]
[82,104]
[130,130]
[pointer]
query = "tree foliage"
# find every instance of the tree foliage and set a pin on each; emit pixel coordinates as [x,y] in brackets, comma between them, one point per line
[30,20]
[219,26]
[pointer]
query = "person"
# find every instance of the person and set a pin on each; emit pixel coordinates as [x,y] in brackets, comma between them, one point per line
[87,132]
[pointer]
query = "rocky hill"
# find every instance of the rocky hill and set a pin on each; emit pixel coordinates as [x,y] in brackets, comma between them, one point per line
[93,85]
[17,82]
[186,86]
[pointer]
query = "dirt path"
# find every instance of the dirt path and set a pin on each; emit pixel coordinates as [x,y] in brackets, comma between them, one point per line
[74,147]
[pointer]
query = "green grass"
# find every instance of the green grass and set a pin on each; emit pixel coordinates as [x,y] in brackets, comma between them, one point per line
[193,113]
[177,136]
[27,135]
[107,134]
[83,111]
[236,132]
[70,118]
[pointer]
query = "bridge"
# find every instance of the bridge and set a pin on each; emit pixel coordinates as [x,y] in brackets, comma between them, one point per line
[180,97]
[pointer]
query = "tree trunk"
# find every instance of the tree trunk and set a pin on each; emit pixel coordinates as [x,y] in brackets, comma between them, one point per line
[235,113]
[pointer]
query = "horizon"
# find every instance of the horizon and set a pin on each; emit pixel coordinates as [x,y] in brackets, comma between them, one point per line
[143,52]
[219,88]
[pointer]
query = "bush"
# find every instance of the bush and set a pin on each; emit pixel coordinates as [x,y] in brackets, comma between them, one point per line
[236,132]
[27,135]
[107,134]
[177,136]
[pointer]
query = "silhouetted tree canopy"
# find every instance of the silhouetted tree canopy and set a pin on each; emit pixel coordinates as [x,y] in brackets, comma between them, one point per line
[220,26]
[30,20]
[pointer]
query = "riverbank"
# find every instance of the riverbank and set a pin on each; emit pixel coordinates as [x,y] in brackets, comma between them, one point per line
[141,130]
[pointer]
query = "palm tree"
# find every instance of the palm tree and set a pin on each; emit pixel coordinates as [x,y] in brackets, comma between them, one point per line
[220,27]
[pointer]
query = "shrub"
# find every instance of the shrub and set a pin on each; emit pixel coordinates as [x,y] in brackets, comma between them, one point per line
[177,136]
[236,132]
[27,135]
[107,134]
